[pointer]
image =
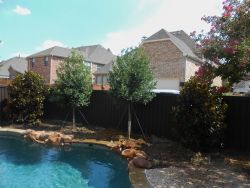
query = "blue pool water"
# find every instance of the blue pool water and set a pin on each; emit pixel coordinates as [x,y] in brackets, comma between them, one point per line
[28,165]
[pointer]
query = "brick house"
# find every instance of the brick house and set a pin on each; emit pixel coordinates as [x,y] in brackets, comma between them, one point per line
[173,57]
[10,68]
[47,61]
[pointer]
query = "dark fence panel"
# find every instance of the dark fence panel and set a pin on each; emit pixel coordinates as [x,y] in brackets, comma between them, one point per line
[105,111]
[156,117]
[238,121]
[3,93]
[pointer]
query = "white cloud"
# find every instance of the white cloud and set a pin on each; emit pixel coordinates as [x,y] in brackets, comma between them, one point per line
[143,4]
[22,11]
[171,15]
[48,44]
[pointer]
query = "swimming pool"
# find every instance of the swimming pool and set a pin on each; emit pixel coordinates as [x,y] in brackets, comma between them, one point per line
[30,165]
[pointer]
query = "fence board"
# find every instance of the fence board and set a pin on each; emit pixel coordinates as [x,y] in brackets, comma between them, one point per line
[3,93]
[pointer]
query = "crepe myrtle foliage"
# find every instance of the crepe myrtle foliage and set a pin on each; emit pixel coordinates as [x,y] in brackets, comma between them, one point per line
[132,79]
[27,93]
[200,112]
[228,41]
[74,83]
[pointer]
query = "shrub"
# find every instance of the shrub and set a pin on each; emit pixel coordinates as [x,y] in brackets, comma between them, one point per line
[27,94]
[200,112]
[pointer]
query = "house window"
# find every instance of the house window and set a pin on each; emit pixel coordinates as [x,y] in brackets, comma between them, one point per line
[98,66]
[33,61]
[105,80]
[46,61]
[99,80]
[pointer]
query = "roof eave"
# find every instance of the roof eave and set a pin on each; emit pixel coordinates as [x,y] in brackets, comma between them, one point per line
[194,58]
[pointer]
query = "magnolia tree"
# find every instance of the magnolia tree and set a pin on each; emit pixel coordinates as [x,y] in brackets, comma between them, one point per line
[74,83]
[132,80]
[228,41]
[27,94]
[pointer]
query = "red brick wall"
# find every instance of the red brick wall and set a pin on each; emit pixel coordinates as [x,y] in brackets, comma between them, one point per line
[166,59]
[40,68]
[55,62]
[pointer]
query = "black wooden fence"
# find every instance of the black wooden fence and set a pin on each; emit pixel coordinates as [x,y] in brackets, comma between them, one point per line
[3,93]
[156,117]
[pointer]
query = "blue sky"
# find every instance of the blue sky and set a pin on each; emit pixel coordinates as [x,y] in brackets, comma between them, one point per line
[28,26]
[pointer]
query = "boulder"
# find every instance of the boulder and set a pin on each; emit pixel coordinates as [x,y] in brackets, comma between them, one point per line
[42,136]
[142,154]
[55,139]
[128,153]
[142,163]
[67,139]
[129,144]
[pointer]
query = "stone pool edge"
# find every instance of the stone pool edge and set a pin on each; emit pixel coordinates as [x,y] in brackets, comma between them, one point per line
[137,176]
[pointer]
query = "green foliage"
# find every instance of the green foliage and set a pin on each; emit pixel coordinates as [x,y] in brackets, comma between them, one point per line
[228,41]
[131,79]
[73,85]
[27,94]
[200,112]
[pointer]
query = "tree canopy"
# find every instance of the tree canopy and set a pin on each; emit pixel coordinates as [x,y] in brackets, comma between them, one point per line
[132,79]
[74,83]
[228,41]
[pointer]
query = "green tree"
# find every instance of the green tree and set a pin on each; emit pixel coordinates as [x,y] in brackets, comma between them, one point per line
[74,83]
[132,80]
[27,93]
[228,41]
[200,112]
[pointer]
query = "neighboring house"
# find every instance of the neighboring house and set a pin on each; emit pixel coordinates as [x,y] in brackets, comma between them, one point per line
[243,86]
[11,67]
[174,58]
[47,61]
[101,75]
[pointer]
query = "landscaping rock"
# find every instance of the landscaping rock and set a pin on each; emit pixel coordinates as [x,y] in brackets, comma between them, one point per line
[142,163]
[129,153]
[130,144]
[53,138]
[142,154]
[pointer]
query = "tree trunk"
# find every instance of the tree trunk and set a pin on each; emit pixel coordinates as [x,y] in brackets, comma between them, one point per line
[74,120]
[129,121]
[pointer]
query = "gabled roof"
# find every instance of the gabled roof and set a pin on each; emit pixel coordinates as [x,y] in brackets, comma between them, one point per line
[19,64]
[180,39]
[96,54]
[162,34]
[54,51]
